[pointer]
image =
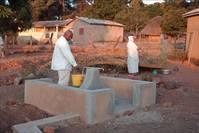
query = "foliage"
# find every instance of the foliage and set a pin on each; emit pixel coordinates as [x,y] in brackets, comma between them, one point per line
[16,15]
[5,12]
[105,9]
[154,10]
[39,10]
[136,4]
[28,68]
[133,20]
[173,22]
[146,76]
[47,10]
[182,3]
[55,11]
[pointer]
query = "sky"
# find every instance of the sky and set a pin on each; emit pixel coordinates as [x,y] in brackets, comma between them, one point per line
[152,1]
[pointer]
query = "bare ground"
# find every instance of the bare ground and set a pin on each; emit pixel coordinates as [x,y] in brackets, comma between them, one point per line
[178,107]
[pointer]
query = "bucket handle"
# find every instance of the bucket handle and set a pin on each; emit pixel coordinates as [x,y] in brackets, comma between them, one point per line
[83,70]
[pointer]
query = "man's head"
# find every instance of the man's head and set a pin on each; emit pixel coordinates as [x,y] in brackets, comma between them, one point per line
[68,35]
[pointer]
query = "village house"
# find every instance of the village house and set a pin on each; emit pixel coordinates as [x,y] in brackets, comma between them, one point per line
[42,31]
[86,30]
[152,31]
[192,43]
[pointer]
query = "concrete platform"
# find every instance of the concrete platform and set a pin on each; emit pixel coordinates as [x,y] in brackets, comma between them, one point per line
[34,126]
[116,96]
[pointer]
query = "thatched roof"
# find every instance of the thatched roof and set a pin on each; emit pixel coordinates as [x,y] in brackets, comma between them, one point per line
[192,13]
[153,27]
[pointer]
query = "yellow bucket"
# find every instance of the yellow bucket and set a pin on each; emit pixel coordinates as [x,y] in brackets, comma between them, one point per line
[77,79]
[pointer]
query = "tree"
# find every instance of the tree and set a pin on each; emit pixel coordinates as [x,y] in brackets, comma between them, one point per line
[105,9]
[182,3]
[47,10]
[55,11]
[194,3]
[39,10]
[173,23]
[136,4]
[5,12]
[154,10]
[17,15]
[49,2]
[133,20]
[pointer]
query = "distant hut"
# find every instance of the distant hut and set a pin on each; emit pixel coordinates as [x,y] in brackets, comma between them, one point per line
[152,31]
[192,43]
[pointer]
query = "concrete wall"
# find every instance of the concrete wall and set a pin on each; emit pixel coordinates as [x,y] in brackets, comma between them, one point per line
[138,93]
[123,88]
[93,106]
[144,94]
[193,37]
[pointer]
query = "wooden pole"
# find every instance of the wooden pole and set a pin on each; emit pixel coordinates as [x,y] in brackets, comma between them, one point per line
[188,47]
[6,41]
[31,40]
[13,40]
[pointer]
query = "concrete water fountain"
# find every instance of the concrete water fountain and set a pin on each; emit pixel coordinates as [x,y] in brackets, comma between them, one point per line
[99,98]
[92,79]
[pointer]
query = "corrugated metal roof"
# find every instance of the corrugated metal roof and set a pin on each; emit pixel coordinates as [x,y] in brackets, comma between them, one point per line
[192,13]
[51,23]
[99,21]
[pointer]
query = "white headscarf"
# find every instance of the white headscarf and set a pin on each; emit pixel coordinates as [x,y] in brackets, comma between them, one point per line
[1,41]
[132,47]
[131,38]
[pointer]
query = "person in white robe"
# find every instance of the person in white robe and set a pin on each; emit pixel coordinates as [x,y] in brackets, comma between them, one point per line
[63,59]
[133,58]
[1,47]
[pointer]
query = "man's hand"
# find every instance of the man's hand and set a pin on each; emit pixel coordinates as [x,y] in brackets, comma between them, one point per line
[75,65]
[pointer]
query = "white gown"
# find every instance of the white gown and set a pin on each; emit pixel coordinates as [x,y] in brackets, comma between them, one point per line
[133,58]
[62,58]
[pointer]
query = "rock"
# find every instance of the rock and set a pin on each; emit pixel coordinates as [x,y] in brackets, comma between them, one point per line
[157,80]
[18,80]
[170,85]
[167,104]
[147,108]
[161,85]
[27,119]
[183,90]
[175,68]
[30,76]
[49,130]
[128,113]
[11,103]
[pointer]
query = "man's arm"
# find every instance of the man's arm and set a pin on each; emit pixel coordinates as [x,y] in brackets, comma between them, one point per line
[65,49]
